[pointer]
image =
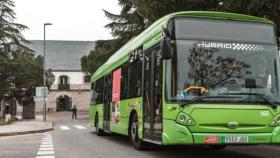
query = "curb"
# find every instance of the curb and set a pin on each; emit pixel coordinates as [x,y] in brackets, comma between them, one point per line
[27,132]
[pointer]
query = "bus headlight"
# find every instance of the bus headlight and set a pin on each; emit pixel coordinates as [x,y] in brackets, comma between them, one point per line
[278,119]
[275,121]
[185,119]
[182,118]
[190,121]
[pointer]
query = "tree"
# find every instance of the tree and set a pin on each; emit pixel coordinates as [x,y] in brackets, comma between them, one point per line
[137,15]
[127,24]
[269,9]
[25,71]
[20,69]
[11,38]
[209,70]
[102,51]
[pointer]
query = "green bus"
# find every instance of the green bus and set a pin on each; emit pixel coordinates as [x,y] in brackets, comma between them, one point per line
[192,78]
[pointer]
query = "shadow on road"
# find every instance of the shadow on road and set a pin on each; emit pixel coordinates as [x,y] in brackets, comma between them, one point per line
[252,151]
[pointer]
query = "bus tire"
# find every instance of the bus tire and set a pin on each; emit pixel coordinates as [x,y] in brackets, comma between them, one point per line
[98,131]
[137,143]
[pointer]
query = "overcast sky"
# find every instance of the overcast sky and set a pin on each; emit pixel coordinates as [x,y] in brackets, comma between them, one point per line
[72,19]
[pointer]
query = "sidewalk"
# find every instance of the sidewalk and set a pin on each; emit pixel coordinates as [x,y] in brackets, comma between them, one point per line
[26,127]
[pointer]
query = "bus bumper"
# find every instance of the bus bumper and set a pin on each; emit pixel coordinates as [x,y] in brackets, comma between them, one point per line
[251,138]
[227,138]
[176,134]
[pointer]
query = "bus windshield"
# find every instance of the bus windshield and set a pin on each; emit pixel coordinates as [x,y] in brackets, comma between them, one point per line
[223,70]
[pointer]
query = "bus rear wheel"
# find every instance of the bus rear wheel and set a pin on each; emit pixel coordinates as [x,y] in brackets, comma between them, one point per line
[133,133]
[98,131]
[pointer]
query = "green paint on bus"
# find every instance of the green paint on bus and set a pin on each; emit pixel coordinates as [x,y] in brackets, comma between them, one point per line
[220,86]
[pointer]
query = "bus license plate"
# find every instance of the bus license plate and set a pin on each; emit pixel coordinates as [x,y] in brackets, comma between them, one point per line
[235,139]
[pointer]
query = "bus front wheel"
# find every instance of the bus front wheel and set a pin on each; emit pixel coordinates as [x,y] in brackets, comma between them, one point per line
[134,137]
[98,131]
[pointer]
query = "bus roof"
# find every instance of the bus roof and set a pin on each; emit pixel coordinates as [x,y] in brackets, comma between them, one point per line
[121,55]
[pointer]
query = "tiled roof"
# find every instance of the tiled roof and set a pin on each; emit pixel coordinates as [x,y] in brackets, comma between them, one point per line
[62,55]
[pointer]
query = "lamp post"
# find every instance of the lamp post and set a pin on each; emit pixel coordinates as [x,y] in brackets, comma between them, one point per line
[45,91]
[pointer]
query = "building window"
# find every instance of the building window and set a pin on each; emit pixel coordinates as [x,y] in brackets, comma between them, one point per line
[63,79]
[63,83]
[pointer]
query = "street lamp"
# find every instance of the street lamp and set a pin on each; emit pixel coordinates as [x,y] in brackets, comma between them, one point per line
[45,91]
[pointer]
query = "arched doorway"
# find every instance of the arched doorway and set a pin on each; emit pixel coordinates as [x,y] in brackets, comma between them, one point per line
[63,103]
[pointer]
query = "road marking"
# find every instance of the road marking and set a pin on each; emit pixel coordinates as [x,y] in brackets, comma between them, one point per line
[46,145]
[45,157]
[47,148]
[80,127]
[47,140]
[64,128]
[45,152]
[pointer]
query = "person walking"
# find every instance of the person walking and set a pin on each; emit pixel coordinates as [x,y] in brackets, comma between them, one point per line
[74,112]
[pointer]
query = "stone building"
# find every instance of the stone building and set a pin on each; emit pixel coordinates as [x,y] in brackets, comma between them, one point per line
[69,87]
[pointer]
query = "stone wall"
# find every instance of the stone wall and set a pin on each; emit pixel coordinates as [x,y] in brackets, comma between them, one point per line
[80,98]
[79,94]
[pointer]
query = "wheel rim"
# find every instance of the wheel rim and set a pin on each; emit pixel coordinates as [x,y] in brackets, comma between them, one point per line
[134,131]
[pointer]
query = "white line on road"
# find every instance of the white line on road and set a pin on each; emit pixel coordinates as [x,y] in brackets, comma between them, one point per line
[47,140]
[80,127]
[45,157]
[46,146]
[46,143]
[44,149]
[45,152]
[64,128]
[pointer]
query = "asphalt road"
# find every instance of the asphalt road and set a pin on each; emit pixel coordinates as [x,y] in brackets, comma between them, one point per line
[74,139]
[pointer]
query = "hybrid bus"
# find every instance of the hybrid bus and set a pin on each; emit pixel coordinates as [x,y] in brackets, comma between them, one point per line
[192,78]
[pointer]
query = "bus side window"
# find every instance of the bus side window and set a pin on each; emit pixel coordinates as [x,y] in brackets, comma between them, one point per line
[124,82]
[93,94]
[134,79]
[98,91]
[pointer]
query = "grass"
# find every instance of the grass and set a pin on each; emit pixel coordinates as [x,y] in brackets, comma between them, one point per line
[3,122]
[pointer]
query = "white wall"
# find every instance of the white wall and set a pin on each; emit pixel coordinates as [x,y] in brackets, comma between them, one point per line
[73,77]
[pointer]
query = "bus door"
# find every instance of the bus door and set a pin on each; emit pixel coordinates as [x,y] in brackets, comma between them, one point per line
[152,95]
[107,101]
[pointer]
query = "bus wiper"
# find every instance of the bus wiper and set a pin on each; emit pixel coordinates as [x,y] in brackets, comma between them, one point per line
[198,99]
[274,106]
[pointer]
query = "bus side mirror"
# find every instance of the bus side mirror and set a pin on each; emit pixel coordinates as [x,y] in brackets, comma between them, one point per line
[166,50]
